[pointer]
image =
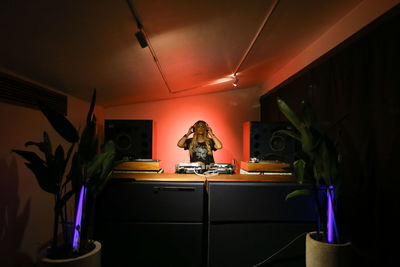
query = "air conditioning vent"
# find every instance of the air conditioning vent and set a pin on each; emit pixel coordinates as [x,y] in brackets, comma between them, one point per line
[16,91]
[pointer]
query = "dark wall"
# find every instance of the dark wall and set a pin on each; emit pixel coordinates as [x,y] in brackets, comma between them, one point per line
[360,80]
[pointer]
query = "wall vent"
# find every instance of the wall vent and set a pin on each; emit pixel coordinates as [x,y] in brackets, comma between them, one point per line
[16,91]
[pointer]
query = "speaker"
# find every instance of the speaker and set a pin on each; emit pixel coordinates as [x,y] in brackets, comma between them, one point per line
[261,141]
[133,138]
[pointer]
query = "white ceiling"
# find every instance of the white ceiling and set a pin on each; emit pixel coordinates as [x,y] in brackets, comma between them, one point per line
[75,46]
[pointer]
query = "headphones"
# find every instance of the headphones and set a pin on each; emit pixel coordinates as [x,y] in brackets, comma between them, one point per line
[194,128]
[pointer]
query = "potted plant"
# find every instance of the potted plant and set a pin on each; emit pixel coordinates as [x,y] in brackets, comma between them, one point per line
[319,163]
[79,174]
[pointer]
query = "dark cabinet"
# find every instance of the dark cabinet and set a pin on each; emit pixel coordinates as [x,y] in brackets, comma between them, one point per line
[151,223]
[152,244]
[154,223]
[248,222]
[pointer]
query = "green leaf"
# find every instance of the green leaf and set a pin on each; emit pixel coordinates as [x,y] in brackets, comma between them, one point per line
[329,159]
[289,133]
[100,168]
[75,173]
[47,148]
[299,168]
[95,166]
[59,154]
[88,145]
[98,187]
[307,141]
[71,148]
[59,159]
[309,118]
[60,123]
[61,203]
[107,167]
[289,114]
[91,109]
[298,192]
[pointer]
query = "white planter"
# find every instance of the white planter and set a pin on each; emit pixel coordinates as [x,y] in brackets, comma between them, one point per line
[91,259]
[327,255]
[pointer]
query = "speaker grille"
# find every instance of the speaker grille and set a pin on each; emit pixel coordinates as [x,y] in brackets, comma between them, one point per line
[262,141]
[133,138]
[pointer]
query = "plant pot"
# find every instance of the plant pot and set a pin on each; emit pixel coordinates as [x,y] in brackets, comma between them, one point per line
[90,259]
[328,255]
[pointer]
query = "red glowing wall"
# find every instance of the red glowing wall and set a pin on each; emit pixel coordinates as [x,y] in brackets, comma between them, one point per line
[225,113]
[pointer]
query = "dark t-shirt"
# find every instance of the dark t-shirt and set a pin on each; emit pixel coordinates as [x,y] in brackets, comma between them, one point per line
[200,152]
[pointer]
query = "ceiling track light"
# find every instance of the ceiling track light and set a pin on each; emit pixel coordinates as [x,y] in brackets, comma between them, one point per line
[144,41]
[235,80]
[141,39]
[140,35]
[267,16]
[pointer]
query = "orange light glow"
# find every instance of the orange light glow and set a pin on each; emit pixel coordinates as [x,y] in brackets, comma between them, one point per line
[221,80]
[224,112]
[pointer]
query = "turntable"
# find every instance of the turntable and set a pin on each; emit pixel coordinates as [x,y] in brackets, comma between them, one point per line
[139,166]
[222,168]
[198,168]
[193,167]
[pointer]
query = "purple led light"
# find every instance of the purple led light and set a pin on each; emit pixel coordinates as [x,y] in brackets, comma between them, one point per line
[330,214]
[78,220]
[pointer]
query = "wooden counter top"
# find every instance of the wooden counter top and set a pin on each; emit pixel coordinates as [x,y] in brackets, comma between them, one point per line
[178,177]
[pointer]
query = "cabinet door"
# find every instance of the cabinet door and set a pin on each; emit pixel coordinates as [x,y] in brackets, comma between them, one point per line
[246,244]
[152,244]
[256,202]
[151,202]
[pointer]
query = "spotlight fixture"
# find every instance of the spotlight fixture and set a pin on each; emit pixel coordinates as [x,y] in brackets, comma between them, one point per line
[236,80]
[140,35]
[141,39]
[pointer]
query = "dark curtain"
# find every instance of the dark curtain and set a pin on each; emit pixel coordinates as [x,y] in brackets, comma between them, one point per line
[359,81]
